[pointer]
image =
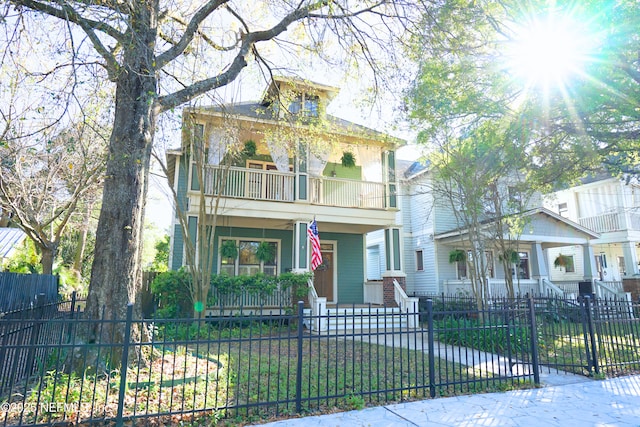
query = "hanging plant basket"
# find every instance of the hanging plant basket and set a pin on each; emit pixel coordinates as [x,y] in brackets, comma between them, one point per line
[265,252]
[250,148]
[229,249]
[348,159]
[561,261]
[456,255]
[510,255]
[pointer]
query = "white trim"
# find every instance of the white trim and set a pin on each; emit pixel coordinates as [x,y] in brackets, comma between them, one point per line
[249,239]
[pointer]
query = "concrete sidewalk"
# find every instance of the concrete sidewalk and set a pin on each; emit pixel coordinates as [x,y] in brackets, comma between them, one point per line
[578,402]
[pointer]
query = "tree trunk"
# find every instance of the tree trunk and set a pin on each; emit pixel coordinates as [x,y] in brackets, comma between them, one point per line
[46,260]
[82,243]
[116,274]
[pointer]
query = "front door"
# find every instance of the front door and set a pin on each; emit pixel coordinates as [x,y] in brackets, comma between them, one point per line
[323,279]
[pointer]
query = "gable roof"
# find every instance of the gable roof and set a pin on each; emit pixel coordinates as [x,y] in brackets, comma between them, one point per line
[261,111]
[543,227]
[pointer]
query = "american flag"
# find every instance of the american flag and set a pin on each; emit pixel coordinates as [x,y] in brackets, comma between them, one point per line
[314,238]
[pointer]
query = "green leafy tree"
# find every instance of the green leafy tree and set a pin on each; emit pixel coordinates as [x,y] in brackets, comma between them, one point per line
[570,117]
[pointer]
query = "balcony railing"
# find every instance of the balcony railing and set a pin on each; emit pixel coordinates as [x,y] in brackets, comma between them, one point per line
[603,223]
[278,186]
[613,221]
[253,184]
[347,193]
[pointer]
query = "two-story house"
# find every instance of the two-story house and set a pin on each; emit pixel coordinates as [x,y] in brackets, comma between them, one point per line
[611,207]
[432,233]
[284,162]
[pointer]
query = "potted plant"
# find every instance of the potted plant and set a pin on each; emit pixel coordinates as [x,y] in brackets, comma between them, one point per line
[265,252]
[229,249]
[348,159]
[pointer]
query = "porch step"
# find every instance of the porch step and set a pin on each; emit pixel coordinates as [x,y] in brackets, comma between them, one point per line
[365,318]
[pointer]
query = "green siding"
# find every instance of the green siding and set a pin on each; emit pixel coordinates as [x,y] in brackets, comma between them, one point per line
[177,246]
[182,182]
[343,172]
[350,263]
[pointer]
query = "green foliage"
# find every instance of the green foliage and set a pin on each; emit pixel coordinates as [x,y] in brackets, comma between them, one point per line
[70,282]
[265,251]
[457,255]
[465,80]
[229,249]
[348,159]
[68,248]
[486,336]
[249,149]
[161,259]
[25,259]
[171,290]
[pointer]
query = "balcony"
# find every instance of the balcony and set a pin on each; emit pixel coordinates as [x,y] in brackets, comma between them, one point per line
[270,185]
[613,221]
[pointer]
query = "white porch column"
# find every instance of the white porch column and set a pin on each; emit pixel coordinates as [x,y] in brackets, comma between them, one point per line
[538,262]
[630,258]
[300,247]
[590,270]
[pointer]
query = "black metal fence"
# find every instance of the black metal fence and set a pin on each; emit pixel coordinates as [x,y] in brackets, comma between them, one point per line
[171,371]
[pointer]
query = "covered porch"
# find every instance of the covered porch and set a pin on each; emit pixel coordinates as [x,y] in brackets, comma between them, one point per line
[532,273]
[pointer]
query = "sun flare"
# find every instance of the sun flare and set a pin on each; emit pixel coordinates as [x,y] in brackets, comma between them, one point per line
[546,53]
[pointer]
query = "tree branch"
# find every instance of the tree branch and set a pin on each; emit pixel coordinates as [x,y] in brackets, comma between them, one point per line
[192,29]
[170,101]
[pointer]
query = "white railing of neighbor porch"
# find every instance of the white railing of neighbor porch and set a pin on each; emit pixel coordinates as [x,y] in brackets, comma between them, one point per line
[602,223]
[408,305]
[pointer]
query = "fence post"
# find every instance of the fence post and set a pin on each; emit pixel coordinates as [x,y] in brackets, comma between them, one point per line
[299,366]
[534,341]
[431,345]
[38,313]
[592,335]
[124,364]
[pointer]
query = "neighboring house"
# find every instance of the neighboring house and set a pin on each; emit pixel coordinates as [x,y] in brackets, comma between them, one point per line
[10,239]
[290,170]
[610,207]
[430,232]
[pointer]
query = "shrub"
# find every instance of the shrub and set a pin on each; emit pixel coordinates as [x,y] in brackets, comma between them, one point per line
[172,292]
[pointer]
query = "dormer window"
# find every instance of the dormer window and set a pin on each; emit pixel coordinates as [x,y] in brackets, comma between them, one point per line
[305,105]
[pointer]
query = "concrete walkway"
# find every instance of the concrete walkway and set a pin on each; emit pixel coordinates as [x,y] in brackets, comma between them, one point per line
[612,402]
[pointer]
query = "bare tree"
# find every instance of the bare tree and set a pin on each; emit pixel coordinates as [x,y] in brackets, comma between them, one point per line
[44,177]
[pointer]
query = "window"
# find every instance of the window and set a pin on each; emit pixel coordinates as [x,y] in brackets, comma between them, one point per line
[305,105]
[523,266]
[570,267]
[419,260]
[461,266]
[247,261]
[563,210]
[621,266]
[515,197]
